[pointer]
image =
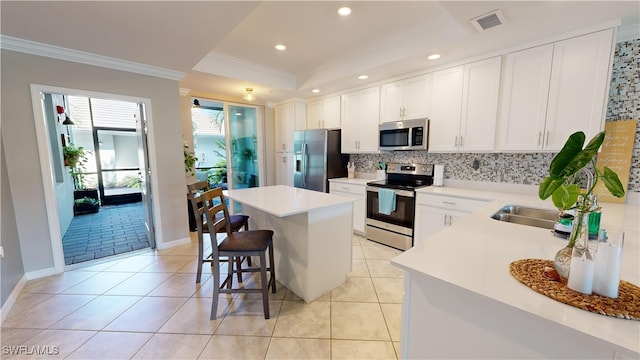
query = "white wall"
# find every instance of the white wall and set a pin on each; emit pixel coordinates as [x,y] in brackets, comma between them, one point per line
[21,148]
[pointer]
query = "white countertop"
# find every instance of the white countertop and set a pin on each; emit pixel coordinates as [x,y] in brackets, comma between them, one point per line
[357,181]
[281,200]
[476,251]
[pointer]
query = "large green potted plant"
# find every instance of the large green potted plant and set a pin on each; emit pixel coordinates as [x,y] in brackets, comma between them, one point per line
[563,186]
[76,158]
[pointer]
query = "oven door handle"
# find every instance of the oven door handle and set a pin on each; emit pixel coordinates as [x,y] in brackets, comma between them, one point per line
[398,192]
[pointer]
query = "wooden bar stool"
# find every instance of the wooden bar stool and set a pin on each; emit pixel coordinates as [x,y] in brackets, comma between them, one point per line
[237,244]
[238,222]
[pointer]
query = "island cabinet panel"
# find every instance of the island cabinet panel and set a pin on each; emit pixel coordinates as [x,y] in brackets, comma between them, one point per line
[324,113]
[360,121]
[554,90]
[464,107]
[446,321]
[405,99]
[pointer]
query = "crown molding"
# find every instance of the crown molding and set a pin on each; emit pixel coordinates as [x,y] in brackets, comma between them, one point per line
[60,53]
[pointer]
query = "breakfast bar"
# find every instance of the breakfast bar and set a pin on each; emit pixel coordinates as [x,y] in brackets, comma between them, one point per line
[312,241]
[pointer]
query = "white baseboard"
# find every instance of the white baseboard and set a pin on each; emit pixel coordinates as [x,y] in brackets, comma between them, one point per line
[31,275]
[11,300]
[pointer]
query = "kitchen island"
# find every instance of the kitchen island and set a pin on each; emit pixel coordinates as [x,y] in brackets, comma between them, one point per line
[461,301]
[312,239]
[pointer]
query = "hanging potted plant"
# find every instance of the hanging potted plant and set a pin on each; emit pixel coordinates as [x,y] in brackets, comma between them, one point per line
[563,186]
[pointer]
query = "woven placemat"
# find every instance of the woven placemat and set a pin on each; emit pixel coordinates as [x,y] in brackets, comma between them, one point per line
[531,272]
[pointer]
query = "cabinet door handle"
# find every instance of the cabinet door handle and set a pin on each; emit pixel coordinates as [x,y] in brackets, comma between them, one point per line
[460,144]
[546,143]
[539,138]
[448,202]
[444,223]
[455,144]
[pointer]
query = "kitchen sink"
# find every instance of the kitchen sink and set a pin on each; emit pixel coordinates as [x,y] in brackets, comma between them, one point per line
[545,214]
[523,215]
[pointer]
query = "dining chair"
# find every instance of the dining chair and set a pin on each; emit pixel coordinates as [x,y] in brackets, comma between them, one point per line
[237,244]
[238,222]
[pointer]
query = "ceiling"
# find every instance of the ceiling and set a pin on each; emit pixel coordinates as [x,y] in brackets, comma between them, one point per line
[225,46]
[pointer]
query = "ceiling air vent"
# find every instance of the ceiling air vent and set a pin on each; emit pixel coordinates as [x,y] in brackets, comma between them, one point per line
[488,21]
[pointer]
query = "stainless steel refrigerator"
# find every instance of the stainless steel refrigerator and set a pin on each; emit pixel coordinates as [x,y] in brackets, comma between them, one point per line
[318,159]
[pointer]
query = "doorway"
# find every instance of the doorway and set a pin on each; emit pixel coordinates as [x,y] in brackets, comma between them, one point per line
[227,139]
[112,134]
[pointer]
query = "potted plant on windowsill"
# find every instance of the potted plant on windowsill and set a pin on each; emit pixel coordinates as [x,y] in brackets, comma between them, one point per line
[563,186]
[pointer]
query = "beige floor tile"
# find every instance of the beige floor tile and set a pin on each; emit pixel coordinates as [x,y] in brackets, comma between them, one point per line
[173,346]
[290,348]
[97,314]
[147,315]
[53,344]
[397,348]
[111,345]
[389,290]
[302,320]
[47,312]
[355,289]
[178,285]
[94,266]
[139,284]
[133,263]
[15,337]
[354,349]
[168,264]
[374,250]
[384,268]
[393,317]
[358,321]
[247,318]
[27,301]
[192,268]
[359,268]
[56,283]
[356,252]
[98,284]
[193,317]
[236,347]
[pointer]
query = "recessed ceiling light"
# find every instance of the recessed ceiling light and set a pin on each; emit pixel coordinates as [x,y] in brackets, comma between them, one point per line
[362,77]
[344,11]
[433,57]
[315,90]
[281,47]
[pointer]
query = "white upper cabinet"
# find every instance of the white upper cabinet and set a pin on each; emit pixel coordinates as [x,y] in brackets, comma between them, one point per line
[290,116]
[360,121]
[578,87]
[480,105]
[405,99]
[464,107]
[324,113]
[552,91]
[446,107]
[525,90]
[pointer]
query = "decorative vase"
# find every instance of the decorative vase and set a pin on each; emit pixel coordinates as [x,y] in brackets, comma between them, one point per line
[562,260]
[582,263]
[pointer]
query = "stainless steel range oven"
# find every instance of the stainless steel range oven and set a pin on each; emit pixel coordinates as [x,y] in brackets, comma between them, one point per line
[395,229]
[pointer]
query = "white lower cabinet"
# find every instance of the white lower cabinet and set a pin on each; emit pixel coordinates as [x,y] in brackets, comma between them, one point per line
[436,212]
[353,191]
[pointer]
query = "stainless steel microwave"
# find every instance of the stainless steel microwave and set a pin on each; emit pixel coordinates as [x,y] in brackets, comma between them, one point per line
[405,135]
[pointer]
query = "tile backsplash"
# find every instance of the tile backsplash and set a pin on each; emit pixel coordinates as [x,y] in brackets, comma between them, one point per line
[530,168]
